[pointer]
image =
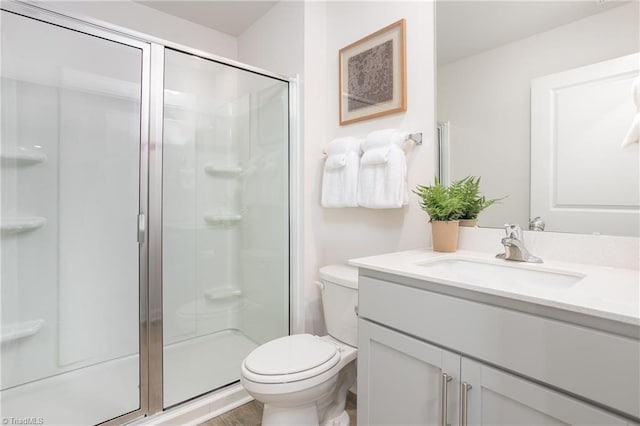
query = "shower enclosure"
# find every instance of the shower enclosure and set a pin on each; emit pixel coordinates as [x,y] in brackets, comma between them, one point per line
[144,217]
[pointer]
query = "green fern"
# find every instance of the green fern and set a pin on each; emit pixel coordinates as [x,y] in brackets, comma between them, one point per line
[468,190]
[460,200]
[440,202]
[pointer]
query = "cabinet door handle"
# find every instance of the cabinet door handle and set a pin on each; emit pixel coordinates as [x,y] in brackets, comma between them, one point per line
[464,403]
[443,399]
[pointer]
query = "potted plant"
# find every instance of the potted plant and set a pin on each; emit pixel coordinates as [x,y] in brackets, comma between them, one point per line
[444,205]
[473,201]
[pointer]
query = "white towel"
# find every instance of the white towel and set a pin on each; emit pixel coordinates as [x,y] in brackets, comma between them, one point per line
[633,135]
[375,156]
[382,182]
[635,90]
[384,138]
[344,145]
[336,161]
[340,176]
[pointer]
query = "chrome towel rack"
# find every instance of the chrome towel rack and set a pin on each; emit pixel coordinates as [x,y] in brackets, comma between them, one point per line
[415,137]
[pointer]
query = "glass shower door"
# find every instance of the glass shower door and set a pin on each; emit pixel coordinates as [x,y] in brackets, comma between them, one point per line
[225,221]
[70,151]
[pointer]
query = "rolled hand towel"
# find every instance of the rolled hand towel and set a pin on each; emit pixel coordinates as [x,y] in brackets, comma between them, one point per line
[343,145]
[382,138]
[336,161]
[375,156]
[633,135]
[635,88]
[383,185]
[340,175]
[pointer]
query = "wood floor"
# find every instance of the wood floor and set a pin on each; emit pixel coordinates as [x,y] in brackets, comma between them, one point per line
[251,414]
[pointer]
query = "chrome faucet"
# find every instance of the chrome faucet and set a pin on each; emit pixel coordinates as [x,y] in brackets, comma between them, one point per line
[514,248]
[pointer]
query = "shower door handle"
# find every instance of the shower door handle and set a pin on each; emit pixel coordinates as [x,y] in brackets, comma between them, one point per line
[142,228]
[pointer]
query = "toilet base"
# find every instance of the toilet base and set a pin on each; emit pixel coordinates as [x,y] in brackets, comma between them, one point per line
[300,416]
[342,420]
[306,415]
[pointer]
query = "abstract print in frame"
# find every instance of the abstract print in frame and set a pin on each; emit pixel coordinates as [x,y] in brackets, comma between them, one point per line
[372,79]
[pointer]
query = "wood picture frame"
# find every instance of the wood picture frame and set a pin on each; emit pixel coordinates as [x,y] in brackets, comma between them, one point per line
[372,75]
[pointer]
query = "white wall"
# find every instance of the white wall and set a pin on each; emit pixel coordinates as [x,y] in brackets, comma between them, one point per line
[275,42]
[487,99]
[137,17]
[336,235]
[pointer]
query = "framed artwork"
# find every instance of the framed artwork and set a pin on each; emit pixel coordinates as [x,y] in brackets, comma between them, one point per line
[372,75]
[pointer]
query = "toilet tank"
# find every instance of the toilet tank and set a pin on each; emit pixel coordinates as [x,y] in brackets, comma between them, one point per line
[339,301]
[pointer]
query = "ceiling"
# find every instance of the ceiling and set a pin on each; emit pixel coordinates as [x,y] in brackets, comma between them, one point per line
[230,17]
[465,28]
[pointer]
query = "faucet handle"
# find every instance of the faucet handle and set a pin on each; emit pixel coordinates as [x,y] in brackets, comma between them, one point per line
[536,224]
[513,231]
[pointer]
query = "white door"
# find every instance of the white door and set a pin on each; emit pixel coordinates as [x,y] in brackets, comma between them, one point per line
[401,379]
[582,179]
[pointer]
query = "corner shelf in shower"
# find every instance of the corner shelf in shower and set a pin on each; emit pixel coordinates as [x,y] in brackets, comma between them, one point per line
[223,170]
[216,294]
[222,219]
[22,156]
[20,330]
[15,225]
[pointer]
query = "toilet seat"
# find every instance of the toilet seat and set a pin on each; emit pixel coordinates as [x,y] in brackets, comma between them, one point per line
[290,358]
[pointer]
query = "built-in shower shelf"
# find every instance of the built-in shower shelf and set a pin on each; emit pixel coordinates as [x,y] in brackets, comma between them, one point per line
[22,156]
[222,219]
[15,225]
[20,330]
[216,294]
[223,170]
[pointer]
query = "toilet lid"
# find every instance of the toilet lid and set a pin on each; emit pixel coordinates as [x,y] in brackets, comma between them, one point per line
[290,354]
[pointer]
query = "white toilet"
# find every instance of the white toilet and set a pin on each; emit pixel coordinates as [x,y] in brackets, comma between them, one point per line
[304,379]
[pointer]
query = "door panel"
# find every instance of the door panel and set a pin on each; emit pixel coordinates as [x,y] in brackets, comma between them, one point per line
[71,143]
[582,179]
[401,379]
[499,398]
[225,229]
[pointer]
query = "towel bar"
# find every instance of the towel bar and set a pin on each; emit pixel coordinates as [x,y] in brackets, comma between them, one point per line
[415,137]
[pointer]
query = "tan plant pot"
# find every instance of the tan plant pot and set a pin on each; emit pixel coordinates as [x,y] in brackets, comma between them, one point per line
[471,223]
[445,235]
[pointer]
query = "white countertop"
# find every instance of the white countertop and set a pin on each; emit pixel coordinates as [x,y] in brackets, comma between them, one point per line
[605,292]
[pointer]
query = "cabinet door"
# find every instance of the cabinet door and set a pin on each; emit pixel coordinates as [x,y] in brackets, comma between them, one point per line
[400,379]
[499,398]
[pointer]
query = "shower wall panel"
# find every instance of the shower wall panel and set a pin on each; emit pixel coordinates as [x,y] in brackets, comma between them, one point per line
[97,302]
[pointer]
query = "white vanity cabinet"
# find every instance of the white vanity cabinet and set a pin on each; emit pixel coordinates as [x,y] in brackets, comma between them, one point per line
[401,379]
[420,349]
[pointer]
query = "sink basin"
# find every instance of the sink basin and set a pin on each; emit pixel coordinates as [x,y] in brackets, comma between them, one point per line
[500,273]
